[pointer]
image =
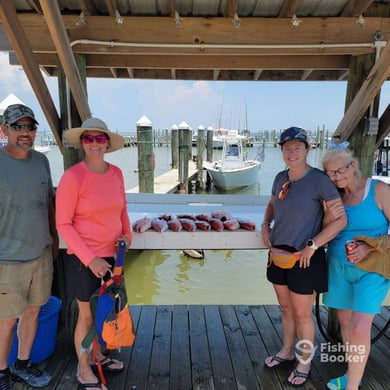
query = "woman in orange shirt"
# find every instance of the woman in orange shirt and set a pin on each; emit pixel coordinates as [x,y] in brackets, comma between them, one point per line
[92,218]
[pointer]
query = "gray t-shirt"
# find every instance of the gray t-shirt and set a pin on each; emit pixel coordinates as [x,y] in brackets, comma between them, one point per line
[299,216]
[25,191]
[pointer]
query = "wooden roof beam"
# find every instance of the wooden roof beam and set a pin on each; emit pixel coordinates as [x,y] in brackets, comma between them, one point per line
[306,73]
[65,54]
[87,7]
[384,126]
[343,75]
[35,5]
[172,8]
[379,73]
[111,7]
[340,62]
[216,74]
[257,73]
[230,8]
[22,47]
[130,71]
[355,8]
[173,74]
[289,8]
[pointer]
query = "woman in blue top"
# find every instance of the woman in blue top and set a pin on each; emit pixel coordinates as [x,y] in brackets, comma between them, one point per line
[356,294]
[296,210]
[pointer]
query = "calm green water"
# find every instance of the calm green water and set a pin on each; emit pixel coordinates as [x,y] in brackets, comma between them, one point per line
[168,276]
[222,277]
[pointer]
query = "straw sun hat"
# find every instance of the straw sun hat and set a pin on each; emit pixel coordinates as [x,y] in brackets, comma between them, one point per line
[72,136]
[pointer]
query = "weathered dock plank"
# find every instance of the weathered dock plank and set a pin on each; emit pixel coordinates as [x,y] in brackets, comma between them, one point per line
[188,347]
[168,182]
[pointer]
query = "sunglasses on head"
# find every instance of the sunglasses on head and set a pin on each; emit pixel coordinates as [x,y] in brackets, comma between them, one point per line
[20,126]
[284,191]
[88,138]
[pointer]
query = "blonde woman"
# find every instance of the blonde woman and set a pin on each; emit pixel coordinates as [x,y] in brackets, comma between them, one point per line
[356,294]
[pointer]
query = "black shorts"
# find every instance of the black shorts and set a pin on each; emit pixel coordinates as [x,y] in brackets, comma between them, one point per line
[302,280]
[79,280]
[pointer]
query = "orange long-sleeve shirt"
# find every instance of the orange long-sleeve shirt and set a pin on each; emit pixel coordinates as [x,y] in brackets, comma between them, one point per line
[91,211]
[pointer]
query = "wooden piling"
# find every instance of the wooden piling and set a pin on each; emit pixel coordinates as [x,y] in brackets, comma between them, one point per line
[200,146]
[175,147]
[145,155]
[209,152]
[185,142]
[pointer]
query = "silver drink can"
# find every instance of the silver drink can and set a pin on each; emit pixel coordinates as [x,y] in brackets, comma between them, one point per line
[349,245]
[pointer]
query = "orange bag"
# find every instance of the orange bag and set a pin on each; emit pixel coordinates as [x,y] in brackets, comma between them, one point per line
[113,326]
[282,258]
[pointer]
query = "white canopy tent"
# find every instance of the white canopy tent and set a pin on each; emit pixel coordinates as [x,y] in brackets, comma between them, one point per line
[10,99]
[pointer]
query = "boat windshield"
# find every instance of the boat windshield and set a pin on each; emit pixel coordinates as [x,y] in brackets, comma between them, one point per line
[232,151]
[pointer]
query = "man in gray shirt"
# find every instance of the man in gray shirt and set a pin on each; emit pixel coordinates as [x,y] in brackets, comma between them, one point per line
[27,237]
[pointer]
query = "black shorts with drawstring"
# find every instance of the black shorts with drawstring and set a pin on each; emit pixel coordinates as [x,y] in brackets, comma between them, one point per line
[80,281]
[301,280]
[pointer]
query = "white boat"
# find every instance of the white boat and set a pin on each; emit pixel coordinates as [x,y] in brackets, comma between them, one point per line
[233,170]
[218,135]
[42,148]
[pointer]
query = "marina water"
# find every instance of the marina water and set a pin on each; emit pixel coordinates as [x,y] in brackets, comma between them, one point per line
[168,276]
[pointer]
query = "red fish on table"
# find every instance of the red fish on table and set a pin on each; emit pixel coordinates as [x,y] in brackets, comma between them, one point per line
[216,224]
[175,225]
[188,224]
[231,224]
[247,224]
[186,216]
[142,225]
[165,217]
[203,217]
[159,225]
[223,215]
[203,225]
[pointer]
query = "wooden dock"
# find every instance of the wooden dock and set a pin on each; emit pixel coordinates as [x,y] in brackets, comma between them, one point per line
[168,183]
[211,347]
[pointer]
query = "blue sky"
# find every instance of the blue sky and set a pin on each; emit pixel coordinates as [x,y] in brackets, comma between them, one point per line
[268,105]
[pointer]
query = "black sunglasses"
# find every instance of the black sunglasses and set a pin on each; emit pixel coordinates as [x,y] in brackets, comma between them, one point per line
[21,126]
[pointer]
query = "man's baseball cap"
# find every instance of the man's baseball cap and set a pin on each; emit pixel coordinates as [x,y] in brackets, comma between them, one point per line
[14,112]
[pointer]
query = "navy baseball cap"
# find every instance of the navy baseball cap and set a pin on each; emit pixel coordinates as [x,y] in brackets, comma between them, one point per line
[14,112]
[293,134]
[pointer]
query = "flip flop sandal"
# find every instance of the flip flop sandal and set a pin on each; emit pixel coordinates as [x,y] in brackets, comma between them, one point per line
[109,364]
[299,374]
[339,383]
[281,361]
[86,386]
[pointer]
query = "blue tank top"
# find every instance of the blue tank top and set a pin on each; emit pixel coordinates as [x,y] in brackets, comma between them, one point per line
[365,218]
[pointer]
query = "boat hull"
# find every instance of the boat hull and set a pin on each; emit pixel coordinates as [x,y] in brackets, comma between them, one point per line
[231,179]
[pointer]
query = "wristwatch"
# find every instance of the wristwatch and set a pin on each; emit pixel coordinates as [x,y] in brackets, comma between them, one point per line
[311,244]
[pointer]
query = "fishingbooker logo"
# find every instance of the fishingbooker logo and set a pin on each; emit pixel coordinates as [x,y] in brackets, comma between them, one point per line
[304,351]
[329,353]
[342,353]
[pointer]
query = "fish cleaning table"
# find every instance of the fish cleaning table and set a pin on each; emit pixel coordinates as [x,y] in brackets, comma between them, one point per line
[150,205]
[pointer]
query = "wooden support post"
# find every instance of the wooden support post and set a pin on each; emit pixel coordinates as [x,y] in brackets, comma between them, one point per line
[175,147]
[69,114]
[209,152]
[200,146]
[145,155]
[185,143]
[362,144]
[166,134]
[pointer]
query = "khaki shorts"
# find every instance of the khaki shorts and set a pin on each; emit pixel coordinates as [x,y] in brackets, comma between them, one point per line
[25,284]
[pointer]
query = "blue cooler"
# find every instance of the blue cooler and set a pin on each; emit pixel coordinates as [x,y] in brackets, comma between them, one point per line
[45,339]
